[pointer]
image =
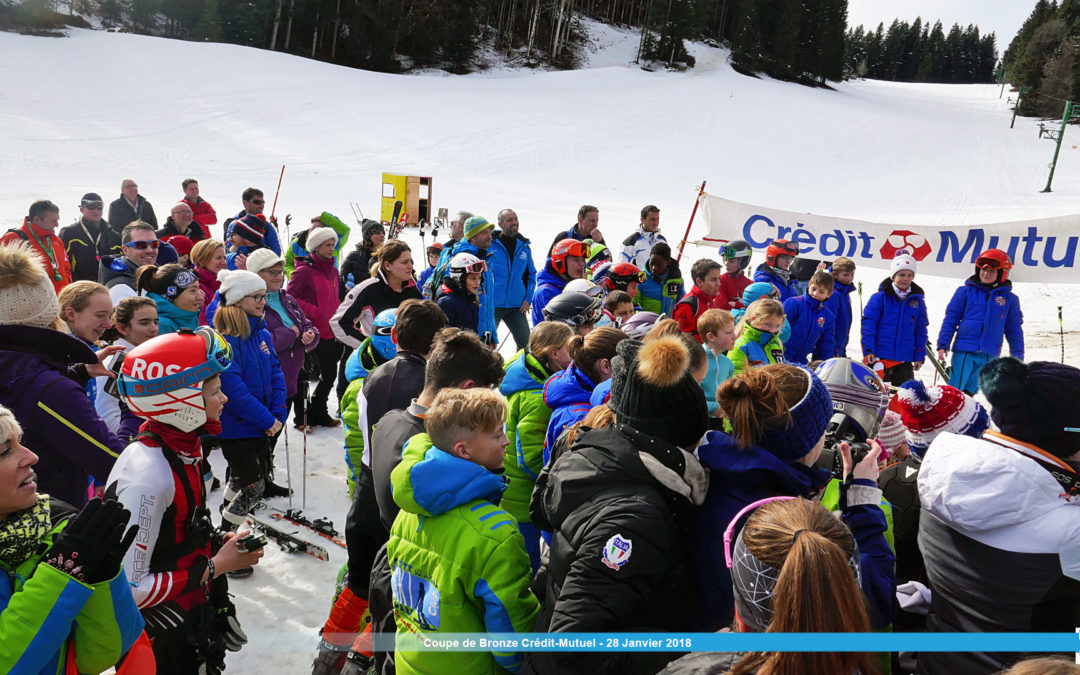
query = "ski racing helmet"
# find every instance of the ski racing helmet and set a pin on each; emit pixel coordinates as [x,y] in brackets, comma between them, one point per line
[859,399]
[465,263]
[162,378]
[584,286]
[779,247]
[640,323]
[995,259]
[381,330]
[567,248]
[575,309]
[621,275]
[739,250]
[598,253]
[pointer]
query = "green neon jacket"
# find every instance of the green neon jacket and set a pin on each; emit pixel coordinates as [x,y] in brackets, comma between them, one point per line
[526,426]
[753,349]
[458,561]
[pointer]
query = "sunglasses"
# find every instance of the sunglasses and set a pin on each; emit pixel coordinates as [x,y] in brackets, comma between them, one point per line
[257,202]
[96,207]
[143,245]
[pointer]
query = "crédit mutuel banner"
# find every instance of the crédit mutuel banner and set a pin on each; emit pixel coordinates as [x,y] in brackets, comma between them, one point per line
[1043,250]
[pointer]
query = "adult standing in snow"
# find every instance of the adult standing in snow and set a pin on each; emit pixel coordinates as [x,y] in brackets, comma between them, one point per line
[565,263]
[998,532]
[254,203]
[203,213]
[588,218]
[88,239]
[638,246]
[514,273]
[298,245]
[39,230]
[117,272]
[208,258]
[181,221]
[131,206]
[982,313]
[43,378]
[356,268]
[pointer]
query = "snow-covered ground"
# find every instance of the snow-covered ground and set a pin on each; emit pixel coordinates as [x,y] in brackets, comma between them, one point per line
[82,113]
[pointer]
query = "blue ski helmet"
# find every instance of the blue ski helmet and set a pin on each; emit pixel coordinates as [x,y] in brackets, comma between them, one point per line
[380,339]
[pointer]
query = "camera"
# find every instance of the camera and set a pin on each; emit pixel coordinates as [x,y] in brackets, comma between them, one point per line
[252,542]
[842,429]
[112,386]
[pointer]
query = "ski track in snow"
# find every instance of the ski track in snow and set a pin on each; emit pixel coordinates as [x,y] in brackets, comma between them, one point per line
[82,113]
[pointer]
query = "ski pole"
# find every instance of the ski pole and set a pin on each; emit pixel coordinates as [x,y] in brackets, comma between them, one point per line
[357,213]
[277,192]
[288,464]
[1061,332]
[860,301]
[303,480]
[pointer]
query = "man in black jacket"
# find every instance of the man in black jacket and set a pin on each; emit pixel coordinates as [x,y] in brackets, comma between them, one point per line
[89,239]
[130,206]
[181,221]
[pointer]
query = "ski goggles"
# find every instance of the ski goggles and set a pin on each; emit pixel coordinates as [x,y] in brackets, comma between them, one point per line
[578,249]
[988,264]
[729,252]
[478,267]
[788,247]
[591,316]
[143,245]
[774,294]
[639,277]
[218,358]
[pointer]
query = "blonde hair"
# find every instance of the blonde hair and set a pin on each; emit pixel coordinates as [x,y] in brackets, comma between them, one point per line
[203,252]
[843,264]
[712,320]
[456,413]
[231,320]
[1045,665]
[546,338]
[77,295]
[9,426]
[663,328]
[760,398]
[762,308]
[600,417]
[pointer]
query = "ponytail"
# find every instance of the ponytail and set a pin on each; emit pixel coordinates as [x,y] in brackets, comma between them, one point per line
[546,338]
[759,398]
[588,351]
[144,278]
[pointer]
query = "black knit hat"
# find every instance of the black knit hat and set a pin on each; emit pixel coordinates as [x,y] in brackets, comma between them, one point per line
[1037,402]
[656,394]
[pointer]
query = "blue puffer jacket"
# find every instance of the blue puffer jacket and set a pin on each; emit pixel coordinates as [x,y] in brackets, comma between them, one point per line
[787,288]
[568,393]
[514,272]
[741,476]
[459,305]
[892,329]
[981,318]
[486,295]
[754,291]
[548,285]
[839,303]
[811,330]
[254,384]
[171,318]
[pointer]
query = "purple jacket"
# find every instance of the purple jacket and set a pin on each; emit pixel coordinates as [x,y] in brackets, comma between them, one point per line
[290,350]
[59,422]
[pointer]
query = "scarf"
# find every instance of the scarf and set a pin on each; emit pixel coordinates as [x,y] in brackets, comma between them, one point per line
[182,442]
[901,294]
[22,532]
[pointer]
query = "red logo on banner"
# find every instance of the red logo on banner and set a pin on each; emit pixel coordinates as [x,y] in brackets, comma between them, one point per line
[901,239]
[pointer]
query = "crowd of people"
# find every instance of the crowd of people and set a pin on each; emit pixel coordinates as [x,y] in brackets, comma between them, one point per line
[660,454]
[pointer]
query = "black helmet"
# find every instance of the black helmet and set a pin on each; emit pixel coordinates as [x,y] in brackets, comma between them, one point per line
[737,248]
[576,309]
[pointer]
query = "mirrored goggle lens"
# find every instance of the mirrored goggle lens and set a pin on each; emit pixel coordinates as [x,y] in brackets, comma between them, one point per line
[988,264]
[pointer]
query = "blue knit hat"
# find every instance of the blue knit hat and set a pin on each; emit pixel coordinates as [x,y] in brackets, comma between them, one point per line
[792,440]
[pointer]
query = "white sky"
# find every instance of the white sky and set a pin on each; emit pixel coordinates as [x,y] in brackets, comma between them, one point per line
[1003,17]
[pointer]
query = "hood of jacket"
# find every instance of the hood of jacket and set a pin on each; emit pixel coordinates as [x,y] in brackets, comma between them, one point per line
[166,309]
[523,373]
[429,481]
[549,277]
[113,266]
[756,470]
[978,485]
[56,348]
[362,361]
[567,387]
[615,459]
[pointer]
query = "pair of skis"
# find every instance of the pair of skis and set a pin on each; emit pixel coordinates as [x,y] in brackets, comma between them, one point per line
[274,527]
[940,367]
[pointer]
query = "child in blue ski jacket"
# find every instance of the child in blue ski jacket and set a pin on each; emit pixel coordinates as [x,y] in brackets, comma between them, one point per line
[894,323]
[839,303]
[811,322]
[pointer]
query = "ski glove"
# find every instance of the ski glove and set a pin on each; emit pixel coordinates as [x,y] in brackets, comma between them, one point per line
[92,546]
[226,625]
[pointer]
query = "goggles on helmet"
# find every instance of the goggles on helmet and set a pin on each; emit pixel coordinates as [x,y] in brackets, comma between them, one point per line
[591,315]
[218,358]
[478,267]
[729,252]
[578,249]
[786,248]
[988,264]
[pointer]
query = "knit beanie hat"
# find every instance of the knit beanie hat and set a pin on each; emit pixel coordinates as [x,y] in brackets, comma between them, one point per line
[369,228]
[891,433]
[476,225]
[791,440]
[181,243]
[926,412]
[658,396]
[319,236]
[27,297]
[261,259]
[235,284]
[901,261]
[250,227]
[1035,402]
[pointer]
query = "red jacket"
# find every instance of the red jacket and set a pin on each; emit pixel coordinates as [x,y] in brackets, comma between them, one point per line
[203,213]
[692,306]
[731,290]
[60,273]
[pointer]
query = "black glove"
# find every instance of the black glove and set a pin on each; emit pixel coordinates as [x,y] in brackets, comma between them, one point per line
[226,624]
[357,664]
[92,546]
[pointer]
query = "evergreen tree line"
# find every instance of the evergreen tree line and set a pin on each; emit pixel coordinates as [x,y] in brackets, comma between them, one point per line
[1044,57]
[792,39]
[917,52]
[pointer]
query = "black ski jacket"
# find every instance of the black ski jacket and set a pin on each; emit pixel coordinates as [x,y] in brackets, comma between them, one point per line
[393,385]
[121,213]
[86,245]
[388,438]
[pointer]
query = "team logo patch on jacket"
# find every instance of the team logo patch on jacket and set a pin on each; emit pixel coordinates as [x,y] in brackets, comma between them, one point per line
[264,347]
[617,552]
[821,321]
[1000,300]
[914,304]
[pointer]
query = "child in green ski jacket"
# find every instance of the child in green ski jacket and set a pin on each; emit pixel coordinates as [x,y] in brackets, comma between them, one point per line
[757,343]
[458,561]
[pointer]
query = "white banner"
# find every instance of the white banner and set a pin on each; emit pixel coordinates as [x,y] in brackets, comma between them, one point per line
[1043,250]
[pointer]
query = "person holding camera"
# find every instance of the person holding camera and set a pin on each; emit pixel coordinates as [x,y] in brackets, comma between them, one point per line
[779,414]
[177,570]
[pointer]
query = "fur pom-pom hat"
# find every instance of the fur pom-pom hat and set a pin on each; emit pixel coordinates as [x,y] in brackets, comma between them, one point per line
[27,297]
[1037,402]
[656,394]
[927,412]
